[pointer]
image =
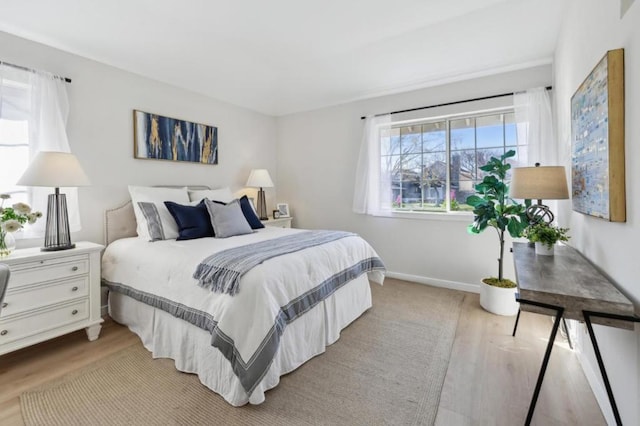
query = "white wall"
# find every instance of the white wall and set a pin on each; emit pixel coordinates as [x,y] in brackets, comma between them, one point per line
[317,153]
[100,130]
[591,28]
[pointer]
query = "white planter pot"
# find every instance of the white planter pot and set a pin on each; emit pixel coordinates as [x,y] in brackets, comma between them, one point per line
[542,250]
[498,300]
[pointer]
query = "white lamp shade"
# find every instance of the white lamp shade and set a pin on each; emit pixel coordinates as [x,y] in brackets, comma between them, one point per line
[537,183]
[259,178]
[55,170]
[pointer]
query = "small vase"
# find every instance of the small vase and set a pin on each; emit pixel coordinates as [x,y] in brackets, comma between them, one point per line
[543,250]
[7,243]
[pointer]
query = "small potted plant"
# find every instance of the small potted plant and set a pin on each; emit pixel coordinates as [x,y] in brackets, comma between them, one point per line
[545,236]
[492,208]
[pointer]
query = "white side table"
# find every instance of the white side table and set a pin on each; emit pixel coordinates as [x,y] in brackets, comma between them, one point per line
[50,294]
[282,222]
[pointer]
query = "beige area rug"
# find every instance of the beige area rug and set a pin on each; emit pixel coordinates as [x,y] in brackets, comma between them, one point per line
[387,368]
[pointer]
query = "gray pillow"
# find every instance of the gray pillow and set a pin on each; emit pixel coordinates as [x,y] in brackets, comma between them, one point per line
[227,220]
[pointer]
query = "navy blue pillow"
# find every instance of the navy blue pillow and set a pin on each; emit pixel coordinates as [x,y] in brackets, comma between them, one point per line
[193,221]
[249,213]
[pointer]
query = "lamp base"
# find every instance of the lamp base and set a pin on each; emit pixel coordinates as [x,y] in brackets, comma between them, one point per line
[57,236]
[58,248]
[262,205]
[539,213]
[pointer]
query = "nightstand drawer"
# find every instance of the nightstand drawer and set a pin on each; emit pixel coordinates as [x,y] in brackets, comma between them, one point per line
[26,326]
[50,293]
[281,222]
[28,298]
[47,270]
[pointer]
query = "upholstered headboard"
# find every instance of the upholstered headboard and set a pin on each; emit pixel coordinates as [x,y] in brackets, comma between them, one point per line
[120,222]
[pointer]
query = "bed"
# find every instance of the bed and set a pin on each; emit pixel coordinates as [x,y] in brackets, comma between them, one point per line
[288,308]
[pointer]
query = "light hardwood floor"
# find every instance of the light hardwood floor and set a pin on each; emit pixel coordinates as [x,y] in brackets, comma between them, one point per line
[491,375]
[490,379]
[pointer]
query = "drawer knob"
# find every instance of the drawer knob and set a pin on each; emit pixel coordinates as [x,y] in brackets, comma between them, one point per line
[3,333]
[5,304]
[75,288]
[75,268]
[75,311]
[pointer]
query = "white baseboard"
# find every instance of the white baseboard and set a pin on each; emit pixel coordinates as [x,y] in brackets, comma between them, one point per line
[595,381]
[453,285]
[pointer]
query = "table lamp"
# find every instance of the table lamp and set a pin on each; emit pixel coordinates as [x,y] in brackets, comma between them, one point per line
[538,183]
[55,169]
[259,178]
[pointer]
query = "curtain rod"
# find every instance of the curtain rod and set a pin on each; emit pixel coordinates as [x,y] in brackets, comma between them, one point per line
[449,103]
[20,67]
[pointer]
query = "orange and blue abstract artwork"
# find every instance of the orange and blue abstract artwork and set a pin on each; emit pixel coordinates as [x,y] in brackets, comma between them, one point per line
[164,138]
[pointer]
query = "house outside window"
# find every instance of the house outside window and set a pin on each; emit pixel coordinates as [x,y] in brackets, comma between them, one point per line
[433,165]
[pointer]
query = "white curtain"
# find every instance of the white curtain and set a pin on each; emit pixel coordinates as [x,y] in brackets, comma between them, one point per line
[534,120]
[49,109]
[534,123]
[372,192]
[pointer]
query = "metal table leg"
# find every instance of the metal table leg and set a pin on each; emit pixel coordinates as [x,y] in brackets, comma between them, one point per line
[545,361]
[564,325]
[587,319]
[515,327]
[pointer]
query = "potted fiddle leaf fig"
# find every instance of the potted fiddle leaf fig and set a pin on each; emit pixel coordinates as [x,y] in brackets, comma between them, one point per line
[493,208]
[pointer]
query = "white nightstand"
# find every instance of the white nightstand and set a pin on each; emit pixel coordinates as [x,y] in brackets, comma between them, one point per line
[50,294]
[282,222]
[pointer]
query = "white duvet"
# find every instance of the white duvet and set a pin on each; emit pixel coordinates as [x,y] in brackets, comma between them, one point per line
[164,269]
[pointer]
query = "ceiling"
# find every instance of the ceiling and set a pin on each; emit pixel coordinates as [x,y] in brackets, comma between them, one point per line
[283,56]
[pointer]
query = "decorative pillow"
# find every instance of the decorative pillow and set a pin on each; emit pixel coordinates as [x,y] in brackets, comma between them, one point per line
[222,194]
[227,220]
[249,213]
[193,221]
[152,217]
[156,196]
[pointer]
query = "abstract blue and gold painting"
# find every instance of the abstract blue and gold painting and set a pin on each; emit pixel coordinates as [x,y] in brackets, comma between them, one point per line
[597,141]
[164,138]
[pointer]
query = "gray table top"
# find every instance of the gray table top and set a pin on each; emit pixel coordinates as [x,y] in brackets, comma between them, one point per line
[569,280]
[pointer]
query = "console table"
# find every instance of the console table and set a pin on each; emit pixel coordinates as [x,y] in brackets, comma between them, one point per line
[571,287]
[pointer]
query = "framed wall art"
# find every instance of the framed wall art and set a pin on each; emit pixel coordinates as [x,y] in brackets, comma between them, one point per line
[164,138]
[597,141]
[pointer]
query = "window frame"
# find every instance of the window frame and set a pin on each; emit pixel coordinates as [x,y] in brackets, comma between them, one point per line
[449,214]
[17,80]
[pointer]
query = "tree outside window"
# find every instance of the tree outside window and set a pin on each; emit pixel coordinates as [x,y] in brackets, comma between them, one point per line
[433,166]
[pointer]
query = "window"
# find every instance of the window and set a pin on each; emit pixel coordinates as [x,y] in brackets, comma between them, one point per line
[33,113]
[433,165]
[14,135]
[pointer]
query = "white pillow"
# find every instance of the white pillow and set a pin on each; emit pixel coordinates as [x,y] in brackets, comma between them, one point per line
[157,196]
[222,194]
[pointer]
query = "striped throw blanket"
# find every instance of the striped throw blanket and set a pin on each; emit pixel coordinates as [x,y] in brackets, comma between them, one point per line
[221,272]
